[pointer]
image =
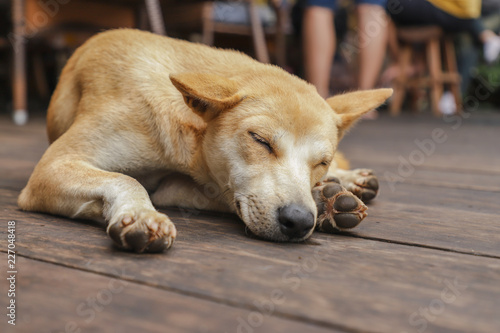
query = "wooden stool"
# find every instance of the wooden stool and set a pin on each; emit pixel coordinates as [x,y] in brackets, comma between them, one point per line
[19,39]
[256,30]
[432,37]
[190,16]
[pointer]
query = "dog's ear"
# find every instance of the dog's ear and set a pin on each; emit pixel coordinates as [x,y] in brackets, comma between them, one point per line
[207,94]
[351,106]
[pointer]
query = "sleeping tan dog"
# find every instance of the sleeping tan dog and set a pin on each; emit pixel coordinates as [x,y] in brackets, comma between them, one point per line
[138,119]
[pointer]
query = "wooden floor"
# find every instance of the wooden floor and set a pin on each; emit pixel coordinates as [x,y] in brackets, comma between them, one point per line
[426,259]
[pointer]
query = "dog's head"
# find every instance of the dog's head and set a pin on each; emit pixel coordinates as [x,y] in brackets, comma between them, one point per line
[269,139]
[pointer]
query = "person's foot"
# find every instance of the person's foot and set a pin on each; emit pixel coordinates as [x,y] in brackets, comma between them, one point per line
[447,104]
[491,49]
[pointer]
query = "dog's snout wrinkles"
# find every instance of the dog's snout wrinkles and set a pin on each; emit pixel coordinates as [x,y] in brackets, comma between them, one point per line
[295,221]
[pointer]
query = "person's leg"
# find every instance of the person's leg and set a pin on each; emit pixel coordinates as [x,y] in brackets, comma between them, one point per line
[373,38]
[421,12]
[318,36]
[412,12]
[490,40]
[491,46]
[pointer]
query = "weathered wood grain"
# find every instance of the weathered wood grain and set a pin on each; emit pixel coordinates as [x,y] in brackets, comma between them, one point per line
[447,229]
[472,146]
[430,225]
[394,273]
[472,201]
[332,281]
[53,298]
[435,177]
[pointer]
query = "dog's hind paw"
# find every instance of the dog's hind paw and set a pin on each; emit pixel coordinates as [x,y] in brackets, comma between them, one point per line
[338,208]
[363,183]
[146,231]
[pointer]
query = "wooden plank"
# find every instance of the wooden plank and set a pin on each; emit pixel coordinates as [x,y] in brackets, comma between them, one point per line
[479,180]
[20,149]
[35,124]
[432,226]
[332,280]
[52,298]
[15,173]
[431,176]
[381,153]
[473,201]
[335,281]
[426,225]
[471,146]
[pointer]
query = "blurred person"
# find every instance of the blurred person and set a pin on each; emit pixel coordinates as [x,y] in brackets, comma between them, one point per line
[468,56]
[319,41]
[453,16]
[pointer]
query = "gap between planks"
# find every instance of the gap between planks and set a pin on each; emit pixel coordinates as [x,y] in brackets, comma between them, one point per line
[217,300]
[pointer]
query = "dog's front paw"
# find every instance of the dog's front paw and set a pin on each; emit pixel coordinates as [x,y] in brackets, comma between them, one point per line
[145,231]
[363,183]
[338,209]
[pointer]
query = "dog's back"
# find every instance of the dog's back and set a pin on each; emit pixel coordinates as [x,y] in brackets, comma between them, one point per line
[118,63]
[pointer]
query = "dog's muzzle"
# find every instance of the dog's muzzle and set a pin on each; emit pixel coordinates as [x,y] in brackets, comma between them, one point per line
[295,221]
[292,222]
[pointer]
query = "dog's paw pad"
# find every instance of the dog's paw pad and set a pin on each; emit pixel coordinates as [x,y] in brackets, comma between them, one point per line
[338,209]
[331,190]
[365,184]
[347,220]
[143,232]
[345,203]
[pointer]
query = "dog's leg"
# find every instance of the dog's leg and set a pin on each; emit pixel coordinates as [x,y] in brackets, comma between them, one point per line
[74,188]
[338,208]
[362,182]
[178,190]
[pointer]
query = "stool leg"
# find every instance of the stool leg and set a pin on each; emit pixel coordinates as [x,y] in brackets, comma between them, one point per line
[155,16]
[208,23]
[259,39]
[400,86]
[40,76]
[451,67]
[435,71]
[19,85]
[280,40]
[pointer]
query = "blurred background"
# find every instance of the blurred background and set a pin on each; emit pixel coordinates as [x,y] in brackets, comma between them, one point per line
[432,67]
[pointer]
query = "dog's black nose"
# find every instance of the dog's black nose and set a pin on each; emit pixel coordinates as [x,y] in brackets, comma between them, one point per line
[295,221]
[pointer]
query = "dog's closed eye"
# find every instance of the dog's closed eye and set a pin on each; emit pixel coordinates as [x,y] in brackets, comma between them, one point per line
[324,162]
[257,138]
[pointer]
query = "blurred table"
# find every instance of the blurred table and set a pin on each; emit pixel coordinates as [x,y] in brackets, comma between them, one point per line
[21,33]
[32,17]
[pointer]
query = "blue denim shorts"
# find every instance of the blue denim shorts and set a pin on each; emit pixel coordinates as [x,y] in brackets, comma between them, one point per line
[332,4]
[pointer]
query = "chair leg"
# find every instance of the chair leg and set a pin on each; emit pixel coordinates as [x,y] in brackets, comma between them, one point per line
[141,17]
[400,86]
[208,23]
[155,16]
[434,63]
[281,14]
[40,76]
[19,86]
[451,67]
[259,39]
